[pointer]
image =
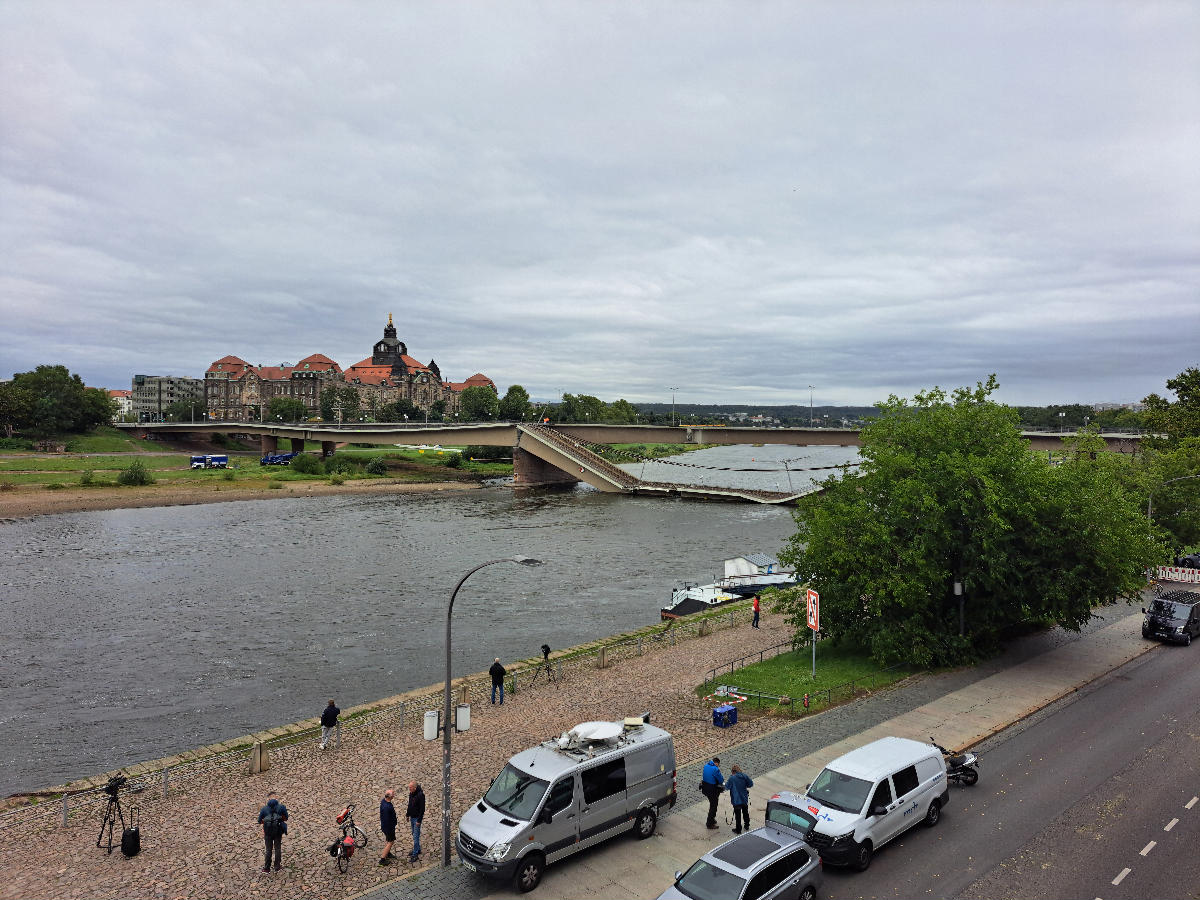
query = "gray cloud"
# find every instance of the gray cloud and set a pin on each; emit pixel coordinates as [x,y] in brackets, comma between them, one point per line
[609,198]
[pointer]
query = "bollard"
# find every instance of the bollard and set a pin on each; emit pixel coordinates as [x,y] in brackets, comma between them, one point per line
[602,658]
[165,771]
[259,758]
[704,629]
[65,799]
[462,694]
[731,618]
[672,637]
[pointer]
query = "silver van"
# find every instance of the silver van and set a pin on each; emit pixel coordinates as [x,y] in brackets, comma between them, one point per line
[872,795]
[597,780]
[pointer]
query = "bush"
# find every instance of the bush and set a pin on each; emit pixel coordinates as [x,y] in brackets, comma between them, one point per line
[219,439]
[15,444]
[275,485]
[377,466]
[135,473]
[336,479]
[86,476]
[55,486]
[476,451]
[341,465]
[7,486]
[228,475]
[453,461]
[306,464]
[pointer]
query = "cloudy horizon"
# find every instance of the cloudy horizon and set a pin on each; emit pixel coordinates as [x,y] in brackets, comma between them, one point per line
[737,200]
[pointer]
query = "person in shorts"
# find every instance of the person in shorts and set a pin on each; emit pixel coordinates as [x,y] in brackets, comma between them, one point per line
[387,824]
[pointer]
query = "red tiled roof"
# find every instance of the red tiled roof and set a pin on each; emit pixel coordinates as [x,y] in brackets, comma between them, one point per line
[475,380]
[318,361]
[235,366]
[120,393]
[274,373]
[413,364]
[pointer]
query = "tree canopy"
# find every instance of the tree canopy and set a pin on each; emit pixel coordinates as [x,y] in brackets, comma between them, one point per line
[1172,469]
[289,409]
[50,400]
[514,405]
[479,404]
[948,491]
[339,403]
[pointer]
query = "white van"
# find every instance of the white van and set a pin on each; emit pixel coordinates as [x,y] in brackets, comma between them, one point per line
[871,795]
[598,780]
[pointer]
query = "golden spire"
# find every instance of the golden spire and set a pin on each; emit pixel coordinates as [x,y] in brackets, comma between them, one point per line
[389,320]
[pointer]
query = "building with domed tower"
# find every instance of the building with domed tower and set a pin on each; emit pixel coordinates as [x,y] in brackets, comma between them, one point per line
[237,391]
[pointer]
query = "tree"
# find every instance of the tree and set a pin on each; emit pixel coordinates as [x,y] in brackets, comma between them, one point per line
[514,405]
[621,413]
[399,411]
[184,411]
[289,409]
[581,408]
[948,491]
[1172,422]
[479,404]
[50,400]
[339,403]
[437,410]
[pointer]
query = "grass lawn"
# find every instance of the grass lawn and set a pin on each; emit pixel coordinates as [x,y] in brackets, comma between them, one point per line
[790,675]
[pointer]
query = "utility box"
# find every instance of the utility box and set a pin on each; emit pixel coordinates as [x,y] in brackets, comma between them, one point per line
[725,715]
[431,725]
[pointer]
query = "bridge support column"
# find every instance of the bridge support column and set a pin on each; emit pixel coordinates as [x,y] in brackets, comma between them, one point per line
[327,448]
[531,471]
[297,445]
[270,444]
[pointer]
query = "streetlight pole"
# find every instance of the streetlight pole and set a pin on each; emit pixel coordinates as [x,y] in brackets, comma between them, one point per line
[447,724]
[810,408]
[672,390]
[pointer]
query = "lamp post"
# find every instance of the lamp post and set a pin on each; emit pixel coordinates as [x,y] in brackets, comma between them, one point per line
[447,724]
[1150,495]
[672,390]
[810,409]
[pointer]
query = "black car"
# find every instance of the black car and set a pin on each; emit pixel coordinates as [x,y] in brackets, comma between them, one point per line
[1174,617]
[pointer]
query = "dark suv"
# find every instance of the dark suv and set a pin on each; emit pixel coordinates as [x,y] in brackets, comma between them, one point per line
[1175,617]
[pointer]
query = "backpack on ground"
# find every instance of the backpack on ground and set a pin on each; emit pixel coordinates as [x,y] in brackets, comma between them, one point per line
[273,823]
[131,837]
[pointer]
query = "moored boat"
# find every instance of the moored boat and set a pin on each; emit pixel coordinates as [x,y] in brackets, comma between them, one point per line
[744,577]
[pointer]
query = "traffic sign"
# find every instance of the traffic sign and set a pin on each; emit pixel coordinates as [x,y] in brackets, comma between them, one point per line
[814,610]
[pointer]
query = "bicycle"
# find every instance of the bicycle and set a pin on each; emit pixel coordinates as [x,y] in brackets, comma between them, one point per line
[352,838]
[112,811]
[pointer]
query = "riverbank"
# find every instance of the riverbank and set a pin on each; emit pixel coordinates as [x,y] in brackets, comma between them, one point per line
[35,500]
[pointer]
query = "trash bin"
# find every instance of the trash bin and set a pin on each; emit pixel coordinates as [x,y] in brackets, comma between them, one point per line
[725,715]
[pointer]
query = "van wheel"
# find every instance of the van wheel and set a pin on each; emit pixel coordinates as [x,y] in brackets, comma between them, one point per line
[1187,640]
[647,821]
[863,861]
[809,893]
[933,815]
[529,873]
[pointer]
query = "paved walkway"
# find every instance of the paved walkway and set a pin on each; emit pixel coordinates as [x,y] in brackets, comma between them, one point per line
[959,708]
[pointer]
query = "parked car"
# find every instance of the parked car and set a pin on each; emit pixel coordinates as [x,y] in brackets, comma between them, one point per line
[1173,617]
[874,794]
[769,863]
[598,780]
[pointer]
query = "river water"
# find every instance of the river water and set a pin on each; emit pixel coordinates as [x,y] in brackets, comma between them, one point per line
[138,633]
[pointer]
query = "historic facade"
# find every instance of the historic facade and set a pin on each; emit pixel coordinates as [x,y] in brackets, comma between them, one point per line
[238,391]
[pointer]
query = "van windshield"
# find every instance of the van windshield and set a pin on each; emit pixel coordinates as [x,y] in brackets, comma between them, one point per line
[840,791]
[704,881]
[516,793]
[1170,609]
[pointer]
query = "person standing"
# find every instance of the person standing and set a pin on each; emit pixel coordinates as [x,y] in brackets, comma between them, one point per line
[415,813]
[329,719]
[387,824]
[754,624]
[497,672]
[273,819]
[739,785]
[712,784]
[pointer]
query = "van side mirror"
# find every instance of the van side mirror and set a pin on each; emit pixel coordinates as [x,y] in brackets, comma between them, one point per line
[1143,610]
[678,875]
[546,817]
[878,810]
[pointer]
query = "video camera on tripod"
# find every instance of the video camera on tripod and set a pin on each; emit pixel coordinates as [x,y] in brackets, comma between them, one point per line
[114,785]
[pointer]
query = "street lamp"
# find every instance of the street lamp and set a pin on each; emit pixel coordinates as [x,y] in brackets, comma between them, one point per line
[447,725]
[1150,495]
[810,410]
[672,390]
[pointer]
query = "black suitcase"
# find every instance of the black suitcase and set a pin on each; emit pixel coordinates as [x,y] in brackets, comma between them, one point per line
[131,837]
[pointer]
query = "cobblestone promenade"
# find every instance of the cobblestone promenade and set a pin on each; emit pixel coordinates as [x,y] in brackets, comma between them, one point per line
[203,841]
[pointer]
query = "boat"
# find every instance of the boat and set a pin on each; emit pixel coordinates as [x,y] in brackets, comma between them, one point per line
[744,577]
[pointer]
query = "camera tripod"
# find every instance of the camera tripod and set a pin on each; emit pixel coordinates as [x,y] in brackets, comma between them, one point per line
[112,814]
[546,668]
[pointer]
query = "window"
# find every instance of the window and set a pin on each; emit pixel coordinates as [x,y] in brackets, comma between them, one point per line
[776,874]
[516,793]
[603,781]
[883,794]
[704,881]
[905,780]
[561,795]
[840,791]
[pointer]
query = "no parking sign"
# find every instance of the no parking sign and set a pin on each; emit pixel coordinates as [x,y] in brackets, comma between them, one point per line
[814,610]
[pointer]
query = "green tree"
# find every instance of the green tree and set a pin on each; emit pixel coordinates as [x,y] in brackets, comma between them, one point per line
[1172,422]
[50,400]
[289,409]
[15,404]
[948,491]
[479,404]
[339,403]
[514,405]
[621,413]
[581,408]
[399,411]
[437,410]
[184,411]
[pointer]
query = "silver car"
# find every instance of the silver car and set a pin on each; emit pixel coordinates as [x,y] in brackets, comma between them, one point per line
[769,863]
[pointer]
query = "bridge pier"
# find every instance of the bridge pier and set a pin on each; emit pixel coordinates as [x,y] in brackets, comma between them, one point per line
[270,444]
[297,445]
[327,448]
[532,471]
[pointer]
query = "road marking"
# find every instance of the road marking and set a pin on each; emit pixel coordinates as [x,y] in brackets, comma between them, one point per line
[1170,825]
[1121,877]
[1191,803]
[1150,846]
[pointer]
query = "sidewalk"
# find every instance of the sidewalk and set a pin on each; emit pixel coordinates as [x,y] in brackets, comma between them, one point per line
[791,757]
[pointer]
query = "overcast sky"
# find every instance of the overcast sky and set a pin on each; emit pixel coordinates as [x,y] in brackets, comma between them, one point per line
[738,200]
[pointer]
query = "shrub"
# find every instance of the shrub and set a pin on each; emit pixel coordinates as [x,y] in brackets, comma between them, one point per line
[274,485]
[476,451]
[377,466]
[336,479]
[15,444]
[55,486]
[228,475]
[453,461]
[135,473]
[219,439]
[340,465]
[306,464]
[7,486]
[86,476]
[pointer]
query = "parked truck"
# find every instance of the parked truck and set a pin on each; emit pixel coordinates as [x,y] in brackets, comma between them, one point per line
[210,461]
[277,459]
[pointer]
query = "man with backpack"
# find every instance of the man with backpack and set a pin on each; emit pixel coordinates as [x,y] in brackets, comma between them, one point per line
[712,785]
[273,819]
[497,672]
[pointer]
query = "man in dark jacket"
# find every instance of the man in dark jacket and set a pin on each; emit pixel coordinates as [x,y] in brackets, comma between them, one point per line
[415,813]
[328,722]
[497,672]
[387,824]
[273,819]
[739,785]
[712,784]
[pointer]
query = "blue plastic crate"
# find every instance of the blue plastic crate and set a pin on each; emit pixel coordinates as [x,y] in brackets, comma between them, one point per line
[725,715]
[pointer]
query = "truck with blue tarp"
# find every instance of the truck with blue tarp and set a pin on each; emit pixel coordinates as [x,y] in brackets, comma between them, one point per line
[210,461]
[278,459]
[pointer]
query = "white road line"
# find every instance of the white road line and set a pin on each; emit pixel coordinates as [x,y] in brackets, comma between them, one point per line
[1191,803]
[1170,825]
[1150,846]
[1121,877]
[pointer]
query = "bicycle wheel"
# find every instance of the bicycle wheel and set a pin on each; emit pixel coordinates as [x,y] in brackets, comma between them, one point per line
[360,836]
[342,859]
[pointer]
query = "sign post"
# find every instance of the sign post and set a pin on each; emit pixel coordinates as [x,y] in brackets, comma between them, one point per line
[814,623]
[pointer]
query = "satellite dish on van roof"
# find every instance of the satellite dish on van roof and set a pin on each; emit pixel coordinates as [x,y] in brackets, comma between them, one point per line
[596,731]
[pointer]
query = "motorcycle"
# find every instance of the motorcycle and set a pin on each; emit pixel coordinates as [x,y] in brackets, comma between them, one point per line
[960,767]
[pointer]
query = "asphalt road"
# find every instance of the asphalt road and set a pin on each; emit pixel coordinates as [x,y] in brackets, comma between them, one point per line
[1067,800]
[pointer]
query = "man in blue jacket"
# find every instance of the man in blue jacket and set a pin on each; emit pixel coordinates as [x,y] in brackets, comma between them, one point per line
[712,784]
[273,819]
[739,785]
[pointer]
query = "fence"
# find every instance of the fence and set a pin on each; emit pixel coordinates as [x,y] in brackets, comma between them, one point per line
[155,780]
